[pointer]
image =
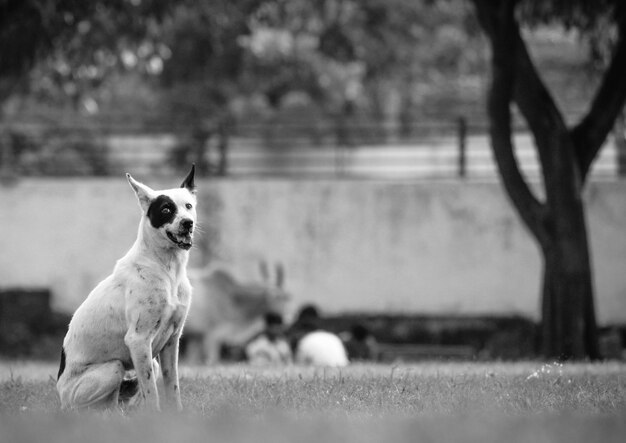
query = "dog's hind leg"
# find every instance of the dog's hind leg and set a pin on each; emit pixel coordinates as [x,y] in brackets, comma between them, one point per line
[97,387]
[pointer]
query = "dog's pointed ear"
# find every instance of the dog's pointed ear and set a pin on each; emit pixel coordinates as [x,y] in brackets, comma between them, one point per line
[188,182]
[144,193]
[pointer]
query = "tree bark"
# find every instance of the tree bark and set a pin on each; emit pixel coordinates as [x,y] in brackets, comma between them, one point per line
[568,328]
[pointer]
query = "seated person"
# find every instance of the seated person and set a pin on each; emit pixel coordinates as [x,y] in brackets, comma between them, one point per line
[306,321]
[270,347]
[321,348]
[361,344]
[311,344]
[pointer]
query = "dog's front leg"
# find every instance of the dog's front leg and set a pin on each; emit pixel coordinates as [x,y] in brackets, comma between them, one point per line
[140,347]
[169,360]
[169,368]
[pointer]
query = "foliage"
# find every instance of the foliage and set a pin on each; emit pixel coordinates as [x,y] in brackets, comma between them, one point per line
[595,21]
[204,68]
[375,56]
[581,14]
[345,51]
[70,46]
[204,56]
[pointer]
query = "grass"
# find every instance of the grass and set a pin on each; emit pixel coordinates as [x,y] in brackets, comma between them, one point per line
[469,402]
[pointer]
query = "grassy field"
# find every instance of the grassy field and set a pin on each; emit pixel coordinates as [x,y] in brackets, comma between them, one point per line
[430,402]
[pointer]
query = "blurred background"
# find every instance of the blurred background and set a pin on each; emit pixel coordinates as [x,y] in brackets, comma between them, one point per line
[343,141]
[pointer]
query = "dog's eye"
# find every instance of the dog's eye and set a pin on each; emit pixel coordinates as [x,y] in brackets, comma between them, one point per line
[188,206]
[166,210]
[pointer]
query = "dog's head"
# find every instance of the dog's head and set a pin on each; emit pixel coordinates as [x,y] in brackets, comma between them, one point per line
[170,213]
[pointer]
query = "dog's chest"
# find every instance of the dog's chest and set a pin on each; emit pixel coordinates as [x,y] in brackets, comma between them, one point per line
[169,323]
[157,299]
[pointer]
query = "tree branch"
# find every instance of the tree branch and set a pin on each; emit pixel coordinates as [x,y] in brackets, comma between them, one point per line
[501,28]
[538,108]
[590,133]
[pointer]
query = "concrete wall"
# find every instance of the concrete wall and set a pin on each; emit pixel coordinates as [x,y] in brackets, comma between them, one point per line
[415,247]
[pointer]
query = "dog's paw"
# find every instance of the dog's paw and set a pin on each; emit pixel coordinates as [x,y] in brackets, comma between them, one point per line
[128,389]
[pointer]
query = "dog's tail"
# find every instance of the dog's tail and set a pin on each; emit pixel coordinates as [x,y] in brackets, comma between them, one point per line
[62,365]
[128,389]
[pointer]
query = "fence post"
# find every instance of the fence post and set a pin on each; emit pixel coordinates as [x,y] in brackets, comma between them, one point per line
[462,139]
[338,160]
[222,148]
[7,160]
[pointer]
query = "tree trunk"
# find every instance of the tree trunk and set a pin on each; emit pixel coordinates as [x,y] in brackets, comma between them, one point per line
[568,328]
[222,147]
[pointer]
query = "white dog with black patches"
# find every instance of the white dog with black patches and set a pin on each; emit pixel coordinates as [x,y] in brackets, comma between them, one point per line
[136,314]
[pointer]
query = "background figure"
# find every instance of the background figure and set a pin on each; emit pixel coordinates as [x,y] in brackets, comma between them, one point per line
[229,309]
[311,344]
[307,320]
[361,344]
[270,347]
[321,348]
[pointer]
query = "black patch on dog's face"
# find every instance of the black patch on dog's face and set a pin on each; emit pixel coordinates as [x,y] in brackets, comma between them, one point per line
[162,210]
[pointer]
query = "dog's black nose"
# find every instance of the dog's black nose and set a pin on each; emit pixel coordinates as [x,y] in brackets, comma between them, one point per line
[187,224]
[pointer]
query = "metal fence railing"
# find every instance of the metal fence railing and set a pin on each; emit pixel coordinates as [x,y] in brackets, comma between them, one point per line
[442,149]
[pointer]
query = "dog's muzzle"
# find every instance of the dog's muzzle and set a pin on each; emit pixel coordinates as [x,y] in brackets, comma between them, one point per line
[183,239]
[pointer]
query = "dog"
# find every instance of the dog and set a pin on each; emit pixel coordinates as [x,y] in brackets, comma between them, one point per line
[135,316]
[229,310]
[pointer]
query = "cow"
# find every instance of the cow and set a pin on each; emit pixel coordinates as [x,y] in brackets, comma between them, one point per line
[228,310]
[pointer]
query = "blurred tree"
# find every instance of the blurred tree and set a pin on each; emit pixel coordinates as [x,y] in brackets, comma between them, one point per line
[566,154]
[70,46]
[346,55]
[67,48]
[351,56]
[203,73]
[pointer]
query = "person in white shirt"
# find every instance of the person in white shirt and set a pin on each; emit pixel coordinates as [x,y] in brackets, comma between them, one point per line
[321,348]
[270,347]
[313,345]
